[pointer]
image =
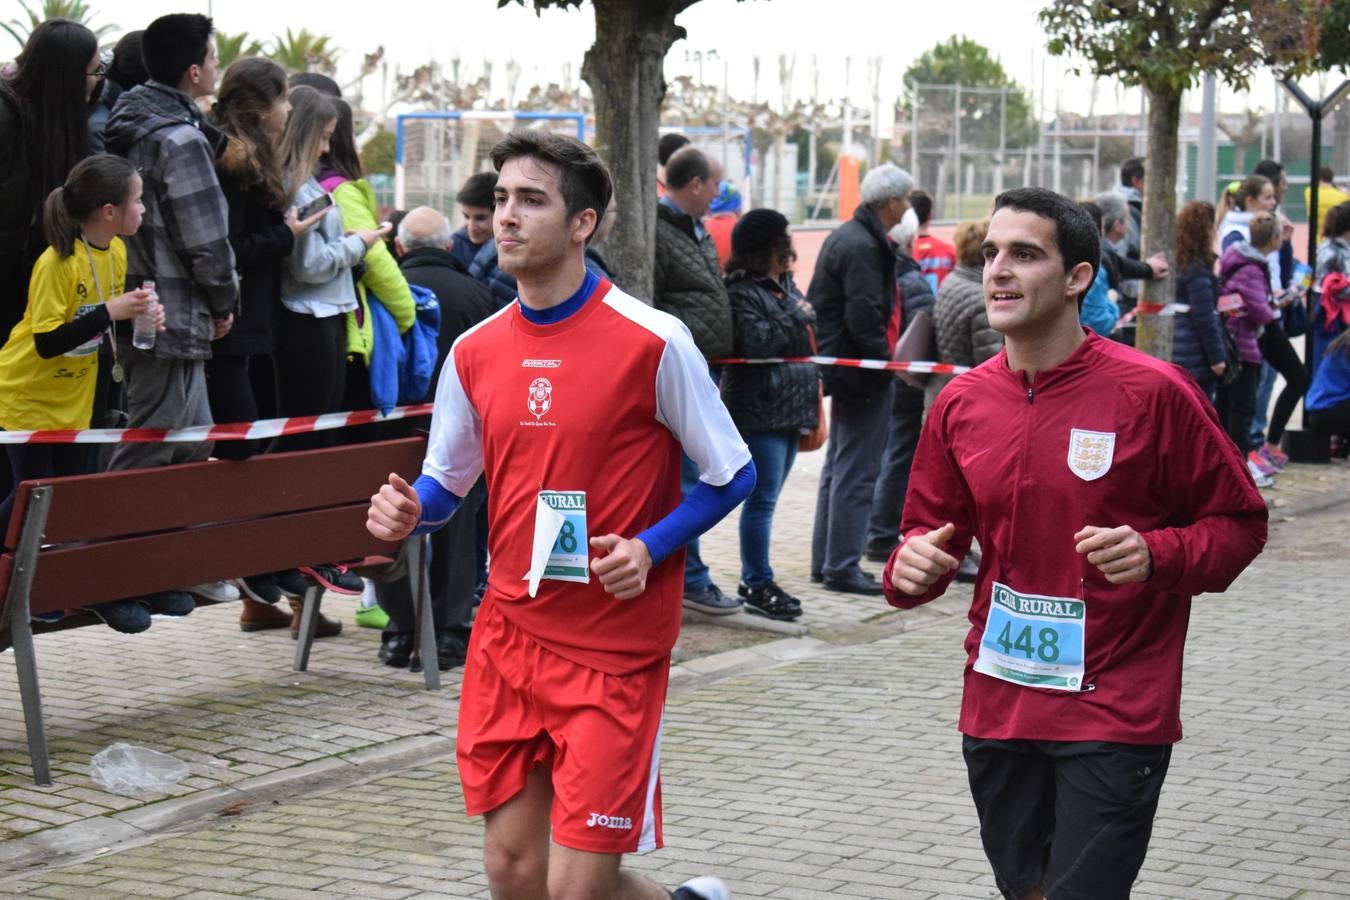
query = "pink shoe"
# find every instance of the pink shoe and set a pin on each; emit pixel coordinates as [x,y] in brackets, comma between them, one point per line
[1259,462]
[1274,456]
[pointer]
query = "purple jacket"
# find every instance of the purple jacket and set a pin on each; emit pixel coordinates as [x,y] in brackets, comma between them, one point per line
[1244,271]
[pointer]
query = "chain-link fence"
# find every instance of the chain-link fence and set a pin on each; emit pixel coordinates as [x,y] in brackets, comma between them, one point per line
[966,144]
[436,151]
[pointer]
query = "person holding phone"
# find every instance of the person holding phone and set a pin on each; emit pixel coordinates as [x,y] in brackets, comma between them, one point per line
[316,283]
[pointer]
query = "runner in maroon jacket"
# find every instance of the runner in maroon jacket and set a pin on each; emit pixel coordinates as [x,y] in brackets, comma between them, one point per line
[1104,495]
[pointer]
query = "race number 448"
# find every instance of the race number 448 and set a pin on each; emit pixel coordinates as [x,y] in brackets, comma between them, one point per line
[1033,639]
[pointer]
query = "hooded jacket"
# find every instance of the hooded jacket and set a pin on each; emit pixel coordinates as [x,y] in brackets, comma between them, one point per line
[1199,342]
[381,276]
[1108,437]
[183,242]
[687,282]
[769,323]
[853,293]
[1244,270]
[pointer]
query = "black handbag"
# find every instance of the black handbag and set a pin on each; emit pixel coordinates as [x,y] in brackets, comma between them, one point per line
[1232,359]
[1294,318]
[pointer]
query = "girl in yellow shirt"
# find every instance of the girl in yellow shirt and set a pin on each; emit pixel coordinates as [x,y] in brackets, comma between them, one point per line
[49,365]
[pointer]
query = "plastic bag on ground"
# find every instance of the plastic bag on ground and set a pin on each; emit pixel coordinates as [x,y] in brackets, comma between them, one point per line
[129,770]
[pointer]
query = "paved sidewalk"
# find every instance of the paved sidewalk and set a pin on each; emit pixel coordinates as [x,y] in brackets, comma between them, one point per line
[783,763]
[839,775]
[228,704]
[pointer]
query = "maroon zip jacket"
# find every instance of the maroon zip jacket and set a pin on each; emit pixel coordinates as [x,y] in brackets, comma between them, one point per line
[1109,437]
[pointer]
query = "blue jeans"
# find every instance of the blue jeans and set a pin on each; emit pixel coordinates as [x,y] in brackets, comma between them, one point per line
[696,577]
[1261,415]
[773,453]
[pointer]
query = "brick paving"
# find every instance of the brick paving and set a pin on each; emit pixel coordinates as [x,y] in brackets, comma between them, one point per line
[815,769]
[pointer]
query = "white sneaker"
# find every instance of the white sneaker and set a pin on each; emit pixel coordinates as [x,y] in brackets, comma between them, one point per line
[220,591]
[1261,478]
[704,887]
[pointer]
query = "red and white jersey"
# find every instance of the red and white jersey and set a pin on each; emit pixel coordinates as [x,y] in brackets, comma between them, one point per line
[601,402]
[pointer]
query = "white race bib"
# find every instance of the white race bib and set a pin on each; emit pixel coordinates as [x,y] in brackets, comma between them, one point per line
[560,549]
[1033,640]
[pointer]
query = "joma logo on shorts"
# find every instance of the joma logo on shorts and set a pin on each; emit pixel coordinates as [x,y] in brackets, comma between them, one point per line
[619,823]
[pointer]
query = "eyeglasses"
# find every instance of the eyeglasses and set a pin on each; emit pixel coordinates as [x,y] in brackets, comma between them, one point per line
[99,71]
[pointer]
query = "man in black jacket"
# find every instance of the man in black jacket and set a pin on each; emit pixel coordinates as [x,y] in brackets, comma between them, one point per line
[854,294]
[425,257]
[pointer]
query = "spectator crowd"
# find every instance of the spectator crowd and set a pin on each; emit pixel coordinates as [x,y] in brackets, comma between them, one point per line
[230,211]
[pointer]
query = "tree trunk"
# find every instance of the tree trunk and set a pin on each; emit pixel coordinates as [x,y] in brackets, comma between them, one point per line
[1153,335]
[625,71]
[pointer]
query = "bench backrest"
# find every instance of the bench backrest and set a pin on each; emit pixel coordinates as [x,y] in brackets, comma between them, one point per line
[129,533]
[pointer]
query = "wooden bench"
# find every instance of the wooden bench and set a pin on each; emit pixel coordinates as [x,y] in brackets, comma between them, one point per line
[87,539]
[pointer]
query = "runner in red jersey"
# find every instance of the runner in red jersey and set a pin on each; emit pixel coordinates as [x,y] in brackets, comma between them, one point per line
[1104,496]
[576,403]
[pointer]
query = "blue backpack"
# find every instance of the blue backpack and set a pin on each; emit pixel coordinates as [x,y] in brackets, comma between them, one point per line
[402,367]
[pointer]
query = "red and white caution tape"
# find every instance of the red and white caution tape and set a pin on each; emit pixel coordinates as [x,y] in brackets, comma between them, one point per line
[884,365]
[236,431]
[270,428]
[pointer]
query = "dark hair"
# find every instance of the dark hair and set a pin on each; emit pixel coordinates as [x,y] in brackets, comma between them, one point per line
[1095,212]
[342,155]
[93,182]
[128,67]
[687,164]
[922,204]
[477,190]
[1078,240]
[50,82]
[1325,174]
[1194,240]
[395,219]
[758,239]
[247,92]
[1131,169]
[1270,169]
[321,83]
[668,144]
[1337,220]
[174,43]
[583,179]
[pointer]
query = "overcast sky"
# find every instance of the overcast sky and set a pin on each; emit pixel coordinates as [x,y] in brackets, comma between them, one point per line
[416,31]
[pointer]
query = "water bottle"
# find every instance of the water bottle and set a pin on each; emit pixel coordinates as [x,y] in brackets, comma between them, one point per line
[143,326]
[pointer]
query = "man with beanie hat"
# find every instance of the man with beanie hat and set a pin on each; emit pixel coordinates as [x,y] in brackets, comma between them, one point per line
[857,316]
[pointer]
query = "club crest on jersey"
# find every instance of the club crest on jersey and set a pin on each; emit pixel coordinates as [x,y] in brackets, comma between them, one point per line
[541,397]
[1091,452]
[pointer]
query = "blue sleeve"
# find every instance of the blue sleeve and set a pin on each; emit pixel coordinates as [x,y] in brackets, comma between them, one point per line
[438,504]
[1099,312]
[701,509]
[1229,240]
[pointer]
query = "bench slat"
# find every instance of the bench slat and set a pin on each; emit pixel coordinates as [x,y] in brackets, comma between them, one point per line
[142,501]
[78,575]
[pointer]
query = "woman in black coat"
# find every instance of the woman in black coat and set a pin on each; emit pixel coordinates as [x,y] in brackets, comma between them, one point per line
[772,404]
[1198,344]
